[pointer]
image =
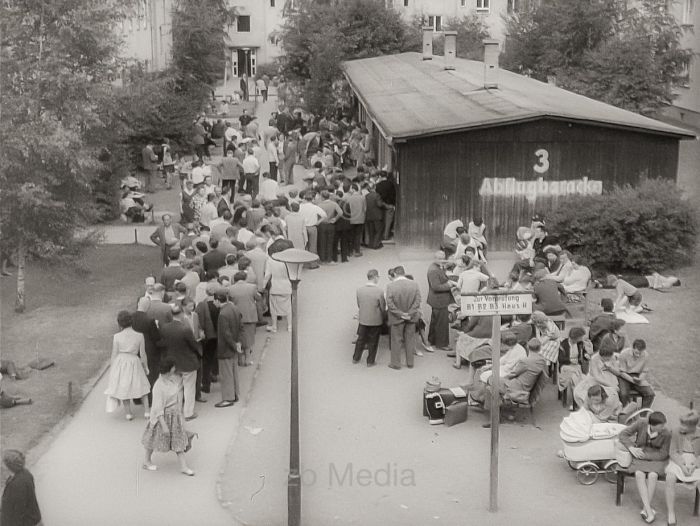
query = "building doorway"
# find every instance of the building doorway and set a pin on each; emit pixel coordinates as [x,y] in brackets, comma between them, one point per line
[244,62]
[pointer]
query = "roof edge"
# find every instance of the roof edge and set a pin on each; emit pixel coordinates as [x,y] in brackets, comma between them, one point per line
[688,135]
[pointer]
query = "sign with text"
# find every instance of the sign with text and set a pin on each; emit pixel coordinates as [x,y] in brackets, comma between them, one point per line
[487,304]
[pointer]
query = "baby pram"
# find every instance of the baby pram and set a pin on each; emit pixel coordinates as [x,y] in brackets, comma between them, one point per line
[589,448]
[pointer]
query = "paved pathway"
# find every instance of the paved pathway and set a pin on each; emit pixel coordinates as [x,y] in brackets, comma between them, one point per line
[369,457]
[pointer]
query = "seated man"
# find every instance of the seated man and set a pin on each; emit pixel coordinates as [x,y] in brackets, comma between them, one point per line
[518,383]
[633,364]
[548,294]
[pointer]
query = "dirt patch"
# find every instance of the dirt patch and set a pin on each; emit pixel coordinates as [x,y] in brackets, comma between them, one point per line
[70,319]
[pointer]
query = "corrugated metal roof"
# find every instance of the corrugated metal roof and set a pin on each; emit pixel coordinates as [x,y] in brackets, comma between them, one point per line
[411,97]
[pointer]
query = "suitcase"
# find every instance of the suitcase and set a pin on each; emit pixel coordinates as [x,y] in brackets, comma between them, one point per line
[435,407]
[447,396]
[456,413]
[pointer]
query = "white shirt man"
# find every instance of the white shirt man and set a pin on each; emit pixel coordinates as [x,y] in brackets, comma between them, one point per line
[577,280]
[208,214]
[269,189]
[471,279]
[232,135]
[251,164]
[272,152]
[244,235]
[312,214]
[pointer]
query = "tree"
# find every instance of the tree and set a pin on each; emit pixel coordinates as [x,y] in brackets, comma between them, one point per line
[628,57]
[319,36]
[199,34]
[57,58]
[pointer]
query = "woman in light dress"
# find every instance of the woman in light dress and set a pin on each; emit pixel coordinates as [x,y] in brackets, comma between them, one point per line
[280,287]
[128,369]
[684,465]
[165,431]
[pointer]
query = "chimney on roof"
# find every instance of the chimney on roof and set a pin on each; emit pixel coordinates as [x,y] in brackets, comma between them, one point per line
[427,43]
[450,49]
[491,64]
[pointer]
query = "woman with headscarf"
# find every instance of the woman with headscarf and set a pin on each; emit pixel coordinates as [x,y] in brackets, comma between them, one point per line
[19,504]
[547,333]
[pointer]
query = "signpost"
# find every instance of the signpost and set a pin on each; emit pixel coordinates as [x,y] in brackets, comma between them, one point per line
[495,304]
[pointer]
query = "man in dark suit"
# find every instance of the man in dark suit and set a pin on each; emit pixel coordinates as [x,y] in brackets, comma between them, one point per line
[439,297]
[181,346]
[158,310]
[603,323]
[147,326]
[167,236]
[403,308]
[149,165]
[386,188]
[245,297]
[228,347]
[372,305]
[373,219]
[214,259]
[173,272]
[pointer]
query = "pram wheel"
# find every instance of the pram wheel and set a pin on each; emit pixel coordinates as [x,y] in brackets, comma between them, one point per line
[611,472]
[572,465]
[587,474]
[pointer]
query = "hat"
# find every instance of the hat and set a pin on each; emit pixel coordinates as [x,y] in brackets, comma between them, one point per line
[540,274]
[552,250]
[432,384]
[150,280]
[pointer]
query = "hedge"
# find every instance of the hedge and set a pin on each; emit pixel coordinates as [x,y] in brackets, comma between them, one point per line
[645,228]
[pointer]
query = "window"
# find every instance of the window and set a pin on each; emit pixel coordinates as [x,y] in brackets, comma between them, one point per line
[483,6]
[405,3]
[243,23]
[462,3]
[687,13]
[513,6]
[435,22]
[272,3]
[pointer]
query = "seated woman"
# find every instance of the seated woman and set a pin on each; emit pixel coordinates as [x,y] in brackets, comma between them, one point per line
[511,353]
[574,354]
[684,465]
[7,400]
[603,371]
[577,280]
[615,338]
[602,407]
[547,333]
[649,442]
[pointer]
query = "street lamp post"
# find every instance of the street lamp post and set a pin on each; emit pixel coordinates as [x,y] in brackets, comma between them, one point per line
[294,259]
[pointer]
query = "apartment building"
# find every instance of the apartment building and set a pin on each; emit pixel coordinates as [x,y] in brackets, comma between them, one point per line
[436,13]
[686,108]
[147,33]
[254,38]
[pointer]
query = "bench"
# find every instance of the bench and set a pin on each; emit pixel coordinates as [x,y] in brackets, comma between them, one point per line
[620,483]
[533,398]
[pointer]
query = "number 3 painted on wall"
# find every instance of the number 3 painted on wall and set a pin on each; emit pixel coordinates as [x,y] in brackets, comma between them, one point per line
[543,161]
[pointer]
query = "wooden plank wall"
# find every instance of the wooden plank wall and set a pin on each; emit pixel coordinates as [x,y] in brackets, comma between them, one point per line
[440,177]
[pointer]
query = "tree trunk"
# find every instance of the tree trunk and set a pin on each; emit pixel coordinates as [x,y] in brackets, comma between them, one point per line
[21,258]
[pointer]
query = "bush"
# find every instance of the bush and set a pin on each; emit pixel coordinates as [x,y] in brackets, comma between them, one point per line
[644,228]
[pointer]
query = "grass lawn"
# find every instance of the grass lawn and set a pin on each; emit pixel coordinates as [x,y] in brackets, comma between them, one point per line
[70,319]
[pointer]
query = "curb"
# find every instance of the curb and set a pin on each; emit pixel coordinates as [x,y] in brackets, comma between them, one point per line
[229,450]
[38,451]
